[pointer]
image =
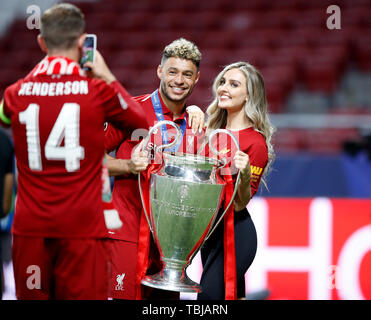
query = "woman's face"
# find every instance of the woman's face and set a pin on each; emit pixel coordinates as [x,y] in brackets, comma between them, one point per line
[231,90]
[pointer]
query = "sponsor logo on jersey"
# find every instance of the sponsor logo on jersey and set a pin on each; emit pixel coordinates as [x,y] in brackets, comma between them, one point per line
[224,151]
[256,170]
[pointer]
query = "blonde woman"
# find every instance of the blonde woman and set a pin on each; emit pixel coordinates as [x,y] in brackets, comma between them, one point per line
[240,106]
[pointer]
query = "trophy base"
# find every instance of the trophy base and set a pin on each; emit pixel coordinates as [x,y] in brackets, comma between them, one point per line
[159,281]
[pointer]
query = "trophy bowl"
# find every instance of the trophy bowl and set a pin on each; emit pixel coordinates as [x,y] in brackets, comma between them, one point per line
[185,199]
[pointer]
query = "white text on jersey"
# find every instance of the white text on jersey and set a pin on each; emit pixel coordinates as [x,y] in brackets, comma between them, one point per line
[54,88]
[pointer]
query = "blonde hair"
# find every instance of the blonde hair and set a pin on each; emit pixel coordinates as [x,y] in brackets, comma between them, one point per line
[256,107]
[183,49]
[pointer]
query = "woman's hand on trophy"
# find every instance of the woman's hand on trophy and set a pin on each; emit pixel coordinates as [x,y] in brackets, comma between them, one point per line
[139,160]
[242,162]
[196,118]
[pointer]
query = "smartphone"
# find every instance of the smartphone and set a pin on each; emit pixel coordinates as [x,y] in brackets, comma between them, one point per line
[88,49]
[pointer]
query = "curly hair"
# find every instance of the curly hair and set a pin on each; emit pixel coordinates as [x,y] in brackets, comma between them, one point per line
[183,49]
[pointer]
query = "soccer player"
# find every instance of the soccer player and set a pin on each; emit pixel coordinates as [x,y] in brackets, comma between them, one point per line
[178,74]
[240,106]
[57,116]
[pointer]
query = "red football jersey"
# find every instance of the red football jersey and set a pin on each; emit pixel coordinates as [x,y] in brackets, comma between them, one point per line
[57,118]
[252,143]
[125,192]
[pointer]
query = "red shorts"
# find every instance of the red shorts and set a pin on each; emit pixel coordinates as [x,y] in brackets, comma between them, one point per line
[123,258]
[51,268]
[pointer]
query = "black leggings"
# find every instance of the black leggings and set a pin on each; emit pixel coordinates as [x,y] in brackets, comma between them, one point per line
[212,256]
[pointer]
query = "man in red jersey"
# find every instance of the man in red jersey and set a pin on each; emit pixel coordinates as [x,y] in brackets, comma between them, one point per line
[178,74]
[57,116]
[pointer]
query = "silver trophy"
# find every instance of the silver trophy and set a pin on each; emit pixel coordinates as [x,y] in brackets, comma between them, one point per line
[185,198]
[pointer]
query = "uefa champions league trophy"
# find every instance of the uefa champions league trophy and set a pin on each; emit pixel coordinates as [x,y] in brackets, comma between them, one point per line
[185,196]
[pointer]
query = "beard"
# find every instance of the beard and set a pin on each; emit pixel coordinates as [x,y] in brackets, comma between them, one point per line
[165,91]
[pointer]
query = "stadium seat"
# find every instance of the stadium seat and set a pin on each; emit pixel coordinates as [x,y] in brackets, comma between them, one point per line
[215,58]
[10,75]
[292,37]
[201,96]
[248,5]
[362,47]
[197,20]
[287,56]
[313,17]
[279,81]
[207,75]
[284,4]
[329,140]
[218,39]
[132,40]
[353,110]
[287,140]
[126,58]
[320,73]
[132,5]
[275,19]
[353,4]
[366,21]
[124,74]
[144,80]
[337,53]
[255,56]
[191,35]
[100,20]
[319,141]
[352,17]
[258,38]
[322,37]
[314,4]
[287,40]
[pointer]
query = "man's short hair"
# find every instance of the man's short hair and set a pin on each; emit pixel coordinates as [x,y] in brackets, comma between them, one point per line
[61,26]
[184,49]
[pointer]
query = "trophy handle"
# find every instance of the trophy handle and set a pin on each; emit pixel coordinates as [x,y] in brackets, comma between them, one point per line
[159,148]
[216,152]
[159,124]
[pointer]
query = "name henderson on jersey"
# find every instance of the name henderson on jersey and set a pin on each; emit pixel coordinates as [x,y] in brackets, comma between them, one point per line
[54,88]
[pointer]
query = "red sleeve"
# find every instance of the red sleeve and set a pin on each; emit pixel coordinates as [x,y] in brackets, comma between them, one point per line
[113,138]
[5,111]
[258,155]
[120,108]
[136,113]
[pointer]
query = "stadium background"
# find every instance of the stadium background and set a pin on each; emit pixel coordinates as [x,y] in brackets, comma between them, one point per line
[314,221]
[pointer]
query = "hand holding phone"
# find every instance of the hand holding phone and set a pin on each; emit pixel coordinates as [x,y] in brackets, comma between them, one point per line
[99,69]
[89,50]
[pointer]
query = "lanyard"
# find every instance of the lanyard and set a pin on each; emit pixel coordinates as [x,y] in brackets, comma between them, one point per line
[160,117]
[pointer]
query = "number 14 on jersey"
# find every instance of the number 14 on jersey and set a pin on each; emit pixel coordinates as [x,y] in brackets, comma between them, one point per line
[67,126]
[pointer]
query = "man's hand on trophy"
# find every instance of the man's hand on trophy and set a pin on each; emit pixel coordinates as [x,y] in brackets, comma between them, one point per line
[139,159]
[196,118]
